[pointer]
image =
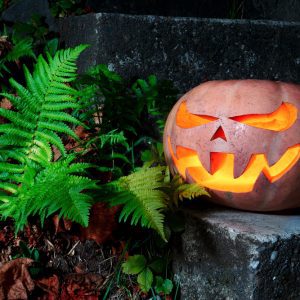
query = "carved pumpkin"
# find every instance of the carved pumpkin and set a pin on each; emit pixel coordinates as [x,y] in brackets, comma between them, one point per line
[241,140]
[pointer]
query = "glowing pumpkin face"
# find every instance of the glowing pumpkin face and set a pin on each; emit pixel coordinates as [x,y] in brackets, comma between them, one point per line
[241,140]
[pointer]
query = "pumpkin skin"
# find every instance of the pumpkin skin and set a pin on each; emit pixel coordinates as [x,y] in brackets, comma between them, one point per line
[241,140]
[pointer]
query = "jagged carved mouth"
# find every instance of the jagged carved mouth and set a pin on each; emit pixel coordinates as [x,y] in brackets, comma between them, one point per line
[221,175]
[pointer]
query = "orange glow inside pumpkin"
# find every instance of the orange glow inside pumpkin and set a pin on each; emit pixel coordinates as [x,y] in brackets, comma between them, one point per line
[184,119]
[281,119]
[222,168]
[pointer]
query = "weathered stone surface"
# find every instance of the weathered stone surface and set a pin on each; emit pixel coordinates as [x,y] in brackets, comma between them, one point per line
[187,50]
[228,254]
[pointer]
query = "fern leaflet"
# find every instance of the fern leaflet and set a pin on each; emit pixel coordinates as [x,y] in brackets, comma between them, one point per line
[143,198]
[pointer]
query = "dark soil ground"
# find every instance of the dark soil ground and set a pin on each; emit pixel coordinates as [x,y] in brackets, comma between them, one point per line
[65,260]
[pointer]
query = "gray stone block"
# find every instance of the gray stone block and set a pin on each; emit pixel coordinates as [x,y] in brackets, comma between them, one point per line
[187,50]
[229,254]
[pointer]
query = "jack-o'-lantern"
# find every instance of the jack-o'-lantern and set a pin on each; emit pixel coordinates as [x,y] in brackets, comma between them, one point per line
[241,140]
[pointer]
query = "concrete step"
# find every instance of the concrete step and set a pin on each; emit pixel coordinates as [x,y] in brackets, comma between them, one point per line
[230,254]
[187,50]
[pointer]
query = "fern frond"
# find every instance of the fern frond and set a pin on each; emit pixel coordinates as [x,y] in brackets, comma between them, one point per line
[53,138]
[60,106]
[9,187]
[26,145]
[59,116]
[143,199]
[9,129]
[11,168]
[58,127]
[54,189]
[20,120]
[112,138]
[181,190]
[63,192]
[22,47]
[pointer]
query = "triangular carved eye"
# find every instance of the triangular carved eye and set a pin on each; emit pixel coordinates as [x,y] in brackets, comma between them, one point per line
[281,119]
[185,119]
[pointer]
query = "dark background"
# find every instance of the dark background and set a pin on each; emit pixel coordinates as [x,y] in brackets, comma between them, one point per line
[247,9]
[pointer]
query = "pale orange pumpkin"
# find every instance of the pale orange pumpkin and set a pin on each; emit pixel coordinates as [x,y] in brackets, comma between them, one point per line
[241,140]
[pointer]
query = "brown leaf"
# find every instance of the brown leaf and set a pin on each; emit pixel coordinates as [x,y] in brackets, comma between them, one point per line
[61,224]
[15,280]
[6,104]
[67,224]
[56,222]
[2,237]
[82,286]
[82,133]
[50,285]
[102,223]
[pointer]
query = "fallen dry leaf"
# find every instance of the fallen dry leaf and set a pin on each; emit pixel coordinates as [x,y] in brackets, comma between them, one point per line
[101,225]
[6,104]
[50,286]
[82,286]
[15,280]
[61,224]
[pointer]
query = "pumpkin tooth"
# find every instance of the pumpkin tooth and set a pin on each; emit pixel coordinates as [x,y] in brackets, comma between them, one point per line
[241,161]
[205,158]
[274,155]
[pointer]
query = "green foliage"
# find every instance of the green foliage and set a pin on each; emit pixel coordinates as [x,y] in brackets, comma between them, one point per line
[112,138]
[164,286]
[32,253]
[142,198]
[154,155]
[134,264]
[145,279]
[36,28]
[179,190]
[137,109]
[12,50]
[138,265]
[19,44]
[62,8]
[31,182]
[147,193]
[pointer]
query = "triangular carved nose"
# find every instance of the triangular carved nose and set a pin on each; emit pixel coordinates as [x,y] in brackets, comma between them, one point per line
[219,134]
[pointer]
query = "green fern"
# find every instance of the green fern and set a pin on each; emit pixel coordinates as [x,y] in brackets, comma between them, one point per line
[41,116]
[19,49]
[179,190]
[113,137]
[143,198]
[30,181]
[55,188]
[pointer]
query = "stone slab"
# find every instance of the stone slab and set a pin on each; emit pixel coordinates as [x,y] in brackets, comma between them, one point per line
[229,254]
[187,51]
